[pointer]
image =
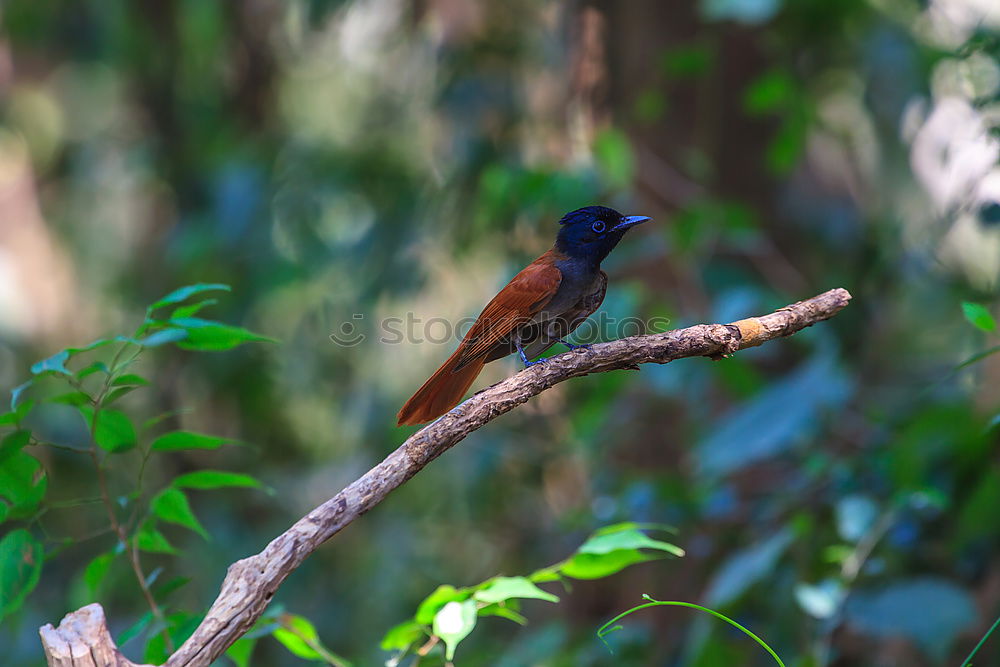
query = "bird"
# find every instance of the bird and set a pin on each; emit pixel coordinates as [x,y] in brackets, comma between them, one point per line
[540,306]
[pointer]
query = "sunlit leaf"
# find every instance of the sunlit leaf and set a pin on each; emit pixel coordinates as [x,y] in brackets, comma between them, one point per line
[626,539]
[597,566]
[191,309]
[172,506]
[163,337]
[503,611]
[402,636]
[453,623]
[441,596]
[505,588]
[21,557]
[71,398]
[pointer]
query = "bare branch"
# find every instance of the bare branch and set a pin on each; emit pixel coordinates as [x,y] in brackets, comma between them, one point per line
[251,583]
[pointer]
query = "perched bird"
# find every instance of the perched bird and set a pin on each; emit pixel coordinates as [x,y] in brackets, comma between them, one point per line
[540,306]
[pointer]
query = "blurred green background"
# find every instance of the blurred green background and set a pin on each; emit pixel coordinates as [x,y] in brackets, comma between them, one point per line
[837,492]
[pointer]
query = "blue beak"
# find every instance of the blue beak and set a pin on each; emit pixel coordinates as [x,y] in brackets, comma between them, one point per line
[630,221]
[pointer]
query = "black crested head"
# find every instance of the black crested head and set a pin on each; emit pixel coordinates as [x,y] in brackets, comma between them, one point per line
[590,233]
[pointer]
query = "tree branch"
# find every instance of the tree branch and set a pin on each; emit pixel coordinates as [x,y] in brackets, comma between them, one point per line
[251,583]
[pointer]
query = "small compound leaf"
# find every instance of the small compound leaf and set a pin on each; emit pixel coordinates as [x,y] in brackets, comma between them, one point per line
[177,440]
[183,293]
[214,479]
[979,317]
[117,393]
[171,505]
[500,589]
[21,558]
[453,623]
[90,369]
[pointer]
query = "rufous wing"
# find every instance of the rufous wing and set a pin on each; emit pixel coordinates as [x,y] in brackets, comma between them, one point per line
[523,298]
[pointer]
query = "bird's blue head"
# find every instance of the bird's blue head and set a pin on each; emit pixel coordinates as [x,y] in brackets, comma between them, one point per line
[590,233]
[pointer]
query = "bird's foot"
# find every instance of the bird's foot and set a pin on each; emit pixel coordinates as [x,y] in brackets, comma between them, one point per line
[573,347]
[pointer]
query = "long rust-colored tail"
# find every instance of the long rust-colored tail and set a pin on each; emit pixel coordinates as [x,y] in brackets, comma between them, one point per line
[441,392]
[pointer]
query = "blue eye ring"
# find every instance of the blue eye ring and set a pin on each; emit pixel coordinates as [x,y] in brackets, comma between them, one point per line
[598,227]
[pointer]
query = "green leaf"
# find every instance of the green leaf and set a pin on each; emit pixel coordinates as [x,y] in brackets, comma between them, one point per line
[191,309]
[95,572]
[151,540]
[597,566]
[299,636]
[503,612]
[505,588]
[13,443]
[183,293]
[177,440]
[117,393]
[773,91]
[114,431]
[214,479]
[453,623]
[21,558]
[402,636]
[629,538]
[171,505]
[215,336]
[163,337]
[15,397]
[96,367]
[135,629]
[71,398]
[241,651]
[54,364]
[979,316]
[129,379]
[441,596]
[22,485]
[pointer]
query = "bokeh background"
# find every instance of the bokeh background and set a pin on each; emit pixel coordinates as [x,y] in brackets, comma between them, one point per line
[837,492]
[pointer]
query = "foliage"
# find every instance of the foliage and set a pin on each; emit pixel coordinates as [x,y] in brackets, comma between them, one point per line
[89,382]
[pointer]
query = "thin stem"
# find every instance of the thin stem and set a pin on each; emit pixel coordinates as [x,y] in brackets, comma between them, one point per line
[102,482]
[968,660]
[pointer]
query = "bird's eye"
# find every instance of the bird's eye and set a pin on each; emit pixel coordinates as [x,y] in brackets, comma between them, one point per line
[598,227]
